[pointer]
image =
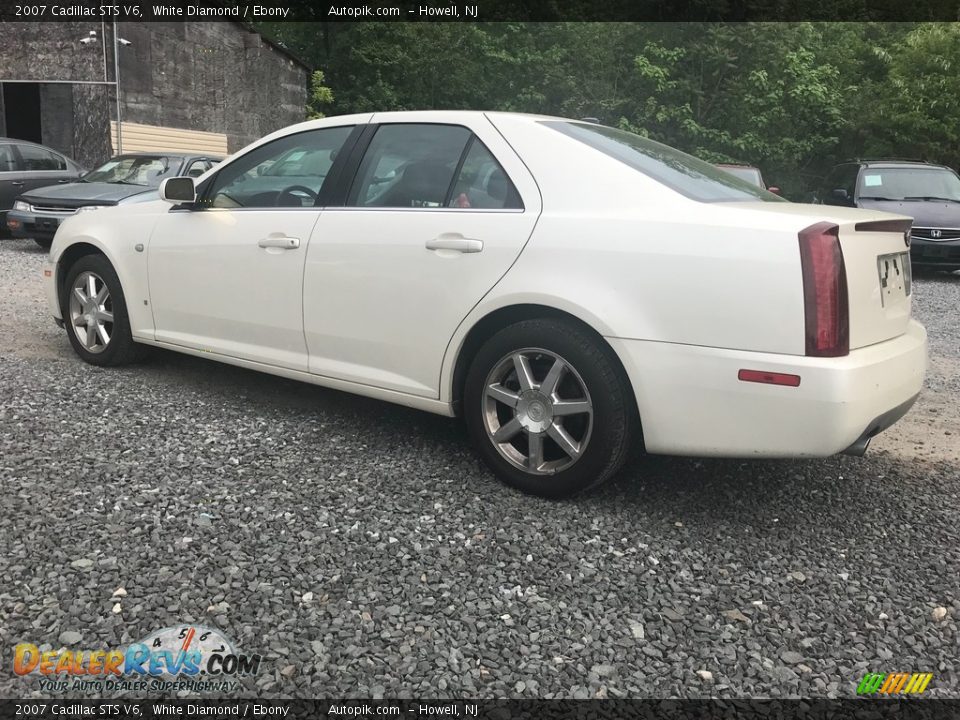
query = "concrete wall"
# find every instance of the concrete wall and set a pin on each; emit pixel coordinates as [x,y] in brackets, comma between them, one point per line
[214,77]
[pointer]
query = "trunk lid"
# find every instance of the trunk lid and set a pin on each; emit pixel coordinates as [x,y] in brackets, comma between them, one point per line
[876,257]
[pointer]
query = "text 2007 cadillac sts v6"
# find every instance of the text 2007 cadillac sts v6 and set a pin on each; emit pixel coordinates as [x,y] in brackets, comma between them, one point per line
[572,290]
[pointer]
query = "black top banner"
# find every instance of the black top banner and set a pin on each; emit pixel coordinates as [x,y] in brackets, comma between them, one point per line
[847,709]
[479,10]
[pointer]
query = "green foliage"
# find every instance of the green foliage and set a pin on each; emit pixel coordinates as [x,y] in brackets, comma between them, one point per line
[790,98]
[321,97]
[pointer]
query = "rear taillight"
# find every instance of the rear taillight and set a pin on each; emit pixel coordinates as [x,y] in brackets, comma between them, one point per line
[824,291]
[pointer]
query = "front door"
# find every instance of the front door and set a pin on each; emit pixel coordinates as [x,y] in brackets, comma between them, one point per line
[226,276]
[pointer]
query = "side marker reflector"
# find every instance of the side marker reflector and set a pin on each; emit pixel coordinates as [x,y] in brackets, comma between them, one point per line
[770,378]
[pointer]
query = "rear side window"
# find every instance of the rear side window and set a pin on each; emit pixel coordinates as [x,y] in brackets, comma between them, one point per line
[38,158]
[689,176]
[482,183]
[409,166]
[431,166]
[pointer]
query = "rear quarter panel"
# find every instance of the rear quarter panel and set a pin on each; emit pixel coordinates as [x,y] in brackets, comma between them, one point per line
[648,263]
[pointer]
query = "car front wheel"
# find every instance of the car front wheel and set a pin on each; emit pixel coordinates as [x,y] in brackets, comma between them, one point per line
[548,408]
[95,314]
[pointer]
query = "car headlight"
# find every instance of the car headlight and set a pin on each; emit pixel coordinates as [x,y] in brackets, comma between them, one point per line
[88,208]
[21,205]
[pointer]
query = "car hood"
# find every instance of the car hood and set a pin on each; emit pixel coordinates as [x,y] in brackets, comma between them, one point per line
[925,213]
[81,193]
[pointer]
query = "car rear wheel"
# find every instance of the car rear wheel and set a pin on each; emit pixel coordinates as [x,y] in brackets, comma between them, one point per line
[548,408]
[95,314]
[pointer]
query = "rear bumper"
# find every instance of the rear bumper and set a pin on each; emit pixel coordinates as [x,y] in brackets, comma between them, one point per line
[691,402]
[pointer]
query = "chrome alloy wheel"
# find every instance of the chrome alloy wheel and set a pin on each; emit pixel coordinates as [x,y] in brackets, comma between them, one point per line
[91,312]
[541,426]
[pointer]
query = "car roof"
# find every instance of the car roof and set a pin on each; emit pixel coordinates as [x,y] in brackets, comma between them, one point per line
[29,142]
[170,153]
[898,163]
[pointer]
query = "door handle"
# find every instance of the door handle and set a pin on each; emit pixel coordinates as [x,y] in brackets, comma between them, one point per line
[65,180]
[456,242]
[283,242]
[17,183]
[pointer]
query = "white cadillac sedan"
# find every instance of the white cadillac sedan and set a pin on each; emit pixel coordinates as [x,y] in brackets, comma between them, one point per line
[573,291]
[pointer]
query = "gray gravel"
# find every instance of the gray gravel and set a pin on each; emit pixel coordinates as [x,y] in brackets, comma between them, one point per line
[221,496]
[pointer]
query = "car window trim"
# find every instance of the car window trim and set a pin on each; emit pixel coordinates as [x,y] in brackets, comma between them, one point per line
[360,150]
[459,168]
[344,167]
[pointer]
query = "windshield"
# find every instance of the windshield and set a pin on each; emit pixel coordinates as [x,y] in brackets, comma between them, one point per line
[689,176]
[146,170]
[909,183]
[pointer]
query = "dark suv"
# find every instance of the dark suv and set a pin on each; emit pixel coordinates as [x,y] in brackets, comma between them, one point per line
[930,194]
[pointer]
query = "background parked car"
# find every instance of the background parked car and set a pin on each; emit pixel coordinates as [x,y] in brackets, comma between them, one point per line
[749,173]
[25,166]
[930,194]
[37,214]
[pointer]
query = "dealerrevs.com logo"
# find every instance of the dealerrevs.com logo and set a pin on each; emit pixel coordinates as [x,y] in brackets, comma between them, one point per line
[188,657]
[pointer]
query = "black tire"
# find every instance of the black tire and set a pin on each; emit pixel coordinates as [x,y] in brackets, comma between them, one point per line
[615,425]
[121,349]
[45,244]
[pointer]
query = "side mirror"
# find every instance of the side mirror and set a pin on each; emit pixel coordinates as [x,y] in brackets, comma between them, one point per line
[840,195]
[774,189]
[178,190]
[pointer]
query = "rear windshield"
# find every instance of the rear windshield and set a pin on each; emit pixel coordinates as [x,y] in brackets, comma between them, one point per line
[696,179]
[750,174]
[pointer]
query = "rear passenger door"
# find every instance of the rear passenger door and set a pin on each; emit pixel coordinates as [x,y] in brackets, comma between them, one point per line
[433,215]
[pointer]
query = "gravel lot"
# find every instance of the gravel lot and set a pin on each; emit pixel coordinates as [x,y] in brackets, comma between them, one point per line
[364,550]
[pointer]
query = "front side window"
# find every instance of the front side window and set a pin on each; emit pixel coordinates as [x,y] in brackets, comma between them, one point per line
[409,166]
[909,183]
[289,172]
[146,170]
[198,168]
[38,158]
[689,176]
[842,177]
